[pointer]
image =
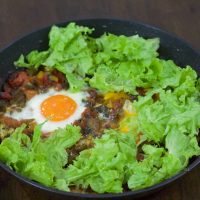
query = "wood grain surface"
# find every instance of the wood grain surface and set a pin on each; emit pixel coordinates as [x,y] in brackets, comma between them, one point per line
[182,17]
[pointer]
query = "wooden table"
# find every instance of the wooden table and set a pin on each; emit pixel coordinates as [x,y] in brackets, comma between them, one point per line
[182,17]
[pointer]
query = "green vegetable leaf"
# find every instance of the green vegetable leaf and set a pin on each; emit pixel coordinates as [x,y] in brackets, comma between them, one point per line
[156,167]
[157,118]
[12,152]
[33,59]
[68,52]
[36,135]
[126,48]
[177,143]
[42,160]
[103,167]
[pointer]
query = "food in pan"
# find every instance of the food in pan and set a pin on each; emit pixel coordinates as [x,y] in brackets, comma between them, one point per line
[102,115]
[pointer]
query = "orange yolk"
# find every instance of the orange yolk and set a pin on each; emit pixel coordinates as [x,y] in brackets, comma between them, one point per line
[58,107]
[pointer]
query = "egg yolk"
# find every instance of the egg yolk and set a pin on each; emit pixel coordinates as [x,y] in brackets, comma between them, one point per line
[58,107]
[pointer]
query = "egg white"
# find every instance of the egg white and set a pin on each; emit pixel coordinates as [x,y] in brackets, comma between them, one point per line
[32,110]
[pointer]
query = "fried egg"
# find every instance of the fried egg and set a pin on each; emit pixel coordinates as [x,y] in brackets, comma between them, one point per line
[56,108]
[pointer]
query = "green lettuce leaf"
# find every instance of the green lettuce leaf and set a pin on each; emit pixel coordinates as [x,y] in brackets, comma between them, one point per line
[113,47]
[68,52]
[124,63]
[182,146]
[42,160]
[157,166]
[157,118]
[11,151]
[103,167]
[33,60]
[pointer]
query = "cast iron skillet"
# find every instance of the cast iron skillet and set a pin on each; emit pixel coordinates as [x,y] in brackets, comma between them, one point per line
[171,48]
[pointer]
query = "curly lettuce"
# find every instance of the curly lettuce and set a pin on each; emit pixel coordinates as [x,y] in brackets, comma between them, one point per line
[41,160]
[103,167]
[157,166]
[68,52]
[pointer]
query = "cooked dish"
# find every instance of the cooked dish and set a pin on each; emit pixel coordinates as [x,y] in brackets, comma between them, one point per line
[99,115]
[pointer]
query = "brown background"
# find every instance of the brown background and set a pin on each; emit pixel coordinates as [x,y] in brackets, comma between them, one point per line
[182,17]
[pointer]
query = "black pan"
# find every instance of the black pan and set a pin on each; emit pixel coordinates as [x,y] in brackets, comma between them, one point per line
[171,48]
